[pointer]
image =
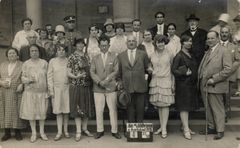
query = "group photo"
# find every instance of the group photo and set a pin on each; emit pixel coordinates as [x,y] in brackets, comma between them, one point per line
[151,73]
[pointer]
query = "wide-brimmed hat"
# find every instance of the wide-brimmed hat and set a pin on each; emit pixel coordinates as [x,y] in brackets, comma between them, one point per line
[237,18]
[123,99]
[109,21]
[192,17]
[69,18]
[59,28]
[224,17]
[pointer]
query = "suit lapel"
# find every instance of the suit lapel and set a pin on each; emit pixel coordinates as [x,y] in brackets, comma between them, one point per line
[212,55]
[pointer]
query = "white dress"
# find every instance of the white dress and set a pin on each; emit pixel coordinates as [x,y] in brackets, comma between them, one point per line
[34,103]
[58,85]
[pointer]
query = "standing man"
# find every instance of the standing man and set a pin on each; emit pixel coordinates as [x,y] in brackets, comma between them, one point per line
[133,64]
[213,73]
[225,40]
[136,26]
[104,68]
[198,37]
[160,27]
[71,33]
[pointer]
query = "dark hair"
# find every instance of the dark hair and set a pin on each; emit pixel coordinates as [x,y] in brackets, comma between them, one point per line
[48,25]
[159,12]
[147,30]
[160,38]
[42,30]
[93,25]
[80,40]
[137,20]
[172,24]
[185,38]
[120,25]
[216,33]
[11,48]
[107,25]
[65,48]
[103,38]
[35,45]
[26,19]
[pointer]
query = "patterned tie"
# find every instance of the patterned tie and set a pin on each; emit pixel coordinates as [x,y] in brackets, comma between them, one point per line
[159,30]
[131,58]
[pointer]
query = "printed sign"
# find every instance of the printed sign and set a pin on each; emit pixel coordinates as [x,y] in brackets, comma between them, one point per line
[139,132]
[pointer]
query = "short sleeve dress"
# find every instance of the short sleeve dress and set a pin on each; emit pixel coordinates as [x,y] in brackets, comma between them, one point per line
[35,97]
[80,90]
[162,83]
[58,85]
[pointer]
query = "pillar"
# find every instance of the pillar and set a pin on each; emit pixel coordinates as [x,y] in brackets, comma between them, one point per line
[125,10]
[34,11]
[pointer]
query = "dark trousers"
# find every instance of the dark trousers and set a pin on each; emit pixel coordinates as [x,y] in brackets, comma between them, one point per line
[135,110]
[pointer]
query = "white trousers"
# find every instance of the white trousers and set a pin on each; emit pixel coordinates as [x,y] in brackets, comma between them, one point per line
[100,100]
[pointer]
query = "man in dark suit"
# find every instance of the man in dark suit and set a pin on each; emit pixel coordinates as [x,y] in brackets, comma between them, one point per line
[198,35]
[160,27]
[213,73]
[133,65]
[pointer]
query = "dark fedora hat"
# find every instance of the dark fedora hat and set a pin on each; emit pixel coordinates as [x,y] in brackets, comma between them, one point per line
[123,99]
[192,17]
[237,18]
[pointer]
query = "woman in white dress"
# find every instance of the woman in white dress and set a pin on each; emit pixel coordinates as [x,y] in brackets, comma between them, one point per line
[162,83]
[174,45]
[118,42]
[59,90]
[35,97]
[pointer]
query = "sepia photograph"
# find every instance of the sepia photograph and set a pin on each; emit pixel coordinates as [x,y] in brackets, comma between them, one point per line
[120,73]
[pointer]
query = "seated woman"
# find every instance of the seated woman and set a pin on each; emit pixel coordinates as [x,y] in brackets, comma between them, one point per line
[10,91]
[35,96]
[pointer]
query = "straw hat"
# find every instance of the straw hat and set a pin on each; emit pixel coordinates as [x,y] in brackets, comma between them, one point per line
[109,21]
[59,28]
[224,17]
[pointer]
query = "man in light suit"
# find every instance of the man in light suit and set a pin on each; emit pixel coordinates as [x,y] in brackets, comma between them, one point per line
[213,73]
[136,27]
[104,68]
[160,27]
[198,37]
[225,40]
[133,65]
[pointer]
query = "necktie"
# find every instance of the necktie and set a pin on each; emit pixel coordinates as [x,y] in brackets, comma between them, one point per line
[159,30]
[104,59]
[223,44]
[131,58]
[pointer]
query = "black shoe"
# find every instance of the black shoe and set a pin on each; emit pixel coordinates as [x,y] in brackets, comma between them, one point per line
[99,135]
[7,134]
[210,131]
[18,135]
[219,136]
[116,135]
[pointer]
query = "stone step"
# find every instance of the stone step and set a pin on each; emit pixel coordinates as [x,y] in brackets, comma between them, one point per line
[173,125]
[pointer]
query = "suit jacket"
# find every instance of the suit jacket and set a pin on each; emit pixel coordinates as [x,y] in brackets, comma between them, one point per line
[217,67]
[133,77]
[99,73]
[198,43]
[154,30]
[140,39]
[235,53]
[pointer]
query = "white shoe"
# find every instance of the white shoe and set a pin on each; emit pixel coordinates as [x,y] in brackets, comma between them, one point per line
[158,131]
[58,137]
[33,138]
[187,135]
[44,137]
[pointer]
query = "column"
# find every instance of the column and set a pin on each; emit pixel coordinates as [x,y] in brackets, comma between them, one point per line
[125,10]
[34,11]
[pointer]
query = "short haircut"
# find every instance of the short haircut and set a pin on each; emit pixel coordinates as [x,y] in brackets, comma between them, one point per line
[11,48]
[160,38]
[120,25]
[172,24]
[228,27]
[137,20]
[26,19]
[93,25]
[185,38]
[42,30]
[35,45]
[159,12]
[103,38]
[216,33]
[65,48]
[48,25]
[80,40]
